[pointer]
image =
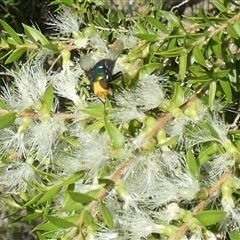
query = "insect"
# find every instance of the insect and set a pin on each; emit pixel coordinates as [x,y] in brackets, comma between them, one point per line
[101,74]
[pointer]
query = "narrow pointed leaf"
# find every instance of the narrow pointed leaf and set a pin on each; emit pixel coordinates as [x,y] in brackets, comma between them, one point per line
[80,197]
[198,55]
[210,217]
[48,97]
[114,134]
[34,35]
[11,32]
[49,194]
[108,219]
[59,222]
[7,120]
[15,55]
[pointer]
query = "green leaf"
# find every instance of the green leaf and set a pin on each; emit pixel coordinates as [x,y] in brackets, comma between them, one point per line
[69,205]
[231,31]
[226,89]
[212,93]
[235,234]
[59,222]
[120,15]
[147,36]
[106,181]
[216,45]
[206,152]
[72,141]
[108,219]
[157,24]
[150,67]
[94,110]
[95,126]
[183,64]
[48,97]
[53,234]
[16,54]
[222,73]
[210,217]
[33,200]
[11,32]
[72,179]
[3,104]
[31,217]
[140,28]
[7,54]
[198,55]
[66,2]
[172,18]
[49,195]
[178,95]
[7,120]
[175,52]
[12,203]
[87,218]
[100,20]
[52,47]
[233,73]
[40,237]
[34,35]
[170,142]
[114,134]
[236,26]
[80,197]
[112,18]
[192,163]
[219,5]
[46,226]
[89,221]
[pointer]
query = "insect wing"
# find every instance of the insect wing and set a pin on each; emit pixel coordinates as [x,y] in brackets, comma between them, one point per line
[115,50]
[86,63]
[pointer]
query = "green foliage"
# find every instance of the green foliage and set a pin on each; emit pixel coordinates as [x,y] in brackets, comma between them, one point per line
[7,120]
[211,217]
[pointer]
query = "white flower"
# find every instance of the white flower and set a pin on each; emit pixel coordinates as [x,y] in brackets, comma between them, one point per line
[65,22]
[81,42]
[126,109]
[31,84]
[11,140]
[65,84]
[105,234]
[172,160]
[142,177]
[137,225]
[131,104]
[148,93]
[214,129]
[14,176]
[177,126]
[232,219]
[93,151]
[45,135]
[120,192]
[171,212]
[182,186]
[219,165]
[99,44]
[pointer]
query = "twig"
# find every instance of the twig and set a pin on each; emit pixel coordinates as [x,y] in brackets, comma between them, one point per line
[203,203]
